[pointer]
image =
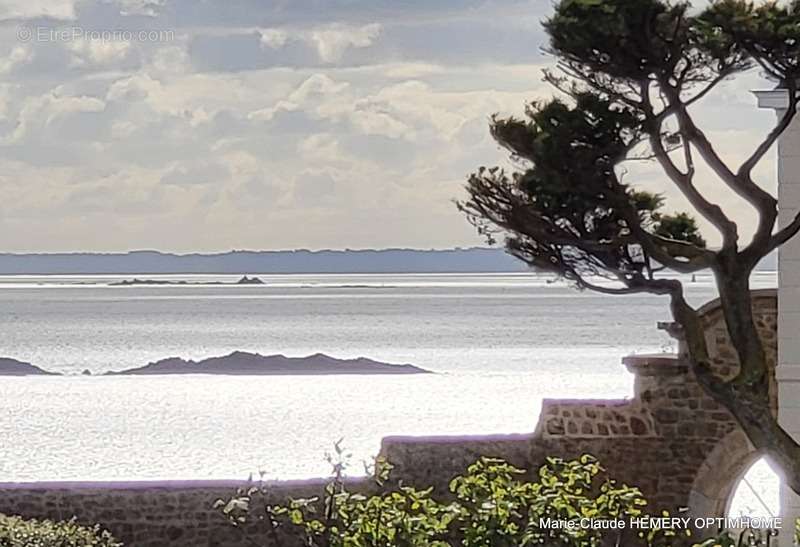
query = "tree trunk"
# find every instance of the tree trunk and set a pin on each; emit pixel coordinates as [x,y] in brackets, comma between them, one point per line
[746,397]
[751,409]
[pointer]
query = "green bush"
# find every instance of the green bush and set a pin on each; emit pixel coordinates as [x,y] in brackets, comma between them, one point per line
[493,504]
[18,532]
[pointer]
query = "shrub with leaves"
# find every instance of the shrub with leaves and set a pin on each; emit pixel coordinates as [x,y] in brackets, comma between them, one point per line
[493,504]
[18,532]
[500,508]
[402,517]
[763,537]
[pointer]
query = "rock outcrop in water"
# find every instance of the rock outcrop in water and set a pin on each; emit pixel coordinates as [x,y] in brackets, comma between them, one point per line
[237,363]
[12,367]
[243,363]
[135,282]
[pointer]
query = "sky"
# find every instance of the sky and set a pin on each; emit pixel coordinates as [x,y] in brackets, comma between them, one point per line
[200,125]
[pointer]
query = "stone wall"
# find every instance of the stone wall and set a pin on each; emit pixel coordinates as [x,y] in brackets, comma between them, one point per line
[674,442]
[156,514]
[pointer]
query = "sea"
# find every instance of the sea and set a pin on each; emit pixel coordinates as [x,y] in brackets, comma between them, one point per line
[498,344]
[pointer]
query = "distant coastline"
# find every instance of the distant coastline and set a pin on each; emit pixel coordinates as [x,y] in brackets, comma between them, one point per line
[379,261]
[238,363]
[385,261]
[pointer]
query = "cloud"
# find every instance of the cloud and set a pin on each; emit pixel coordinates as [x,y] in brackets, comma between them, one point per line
[69,9]
[34,9]
[267,114]
[412,71]
[197,172]
[274,38]
[150,8]
[317,85]
[314,188]
[5,93]
[303,123]
[19,56]
[39,114]
[88,52]
[332,41]
[322,147]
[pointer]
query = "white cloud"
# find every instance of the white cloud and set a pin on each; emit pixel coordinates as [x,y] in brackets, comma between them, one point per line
[371,120]
[87,52]
[333,40]
[169,61]
[195,96]
[5,92]
[133,88]
[37,113]
[149,8]
[274,38]
[315,86]
[31,9]
[19,56]
[267,114]
[412,71]
[313,188]
[201,171]
[322,147]
[287,155]
[330,41]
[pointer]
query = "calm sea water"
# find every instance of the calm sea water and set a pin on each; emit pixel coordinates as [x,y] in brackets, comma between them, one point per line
[499,343]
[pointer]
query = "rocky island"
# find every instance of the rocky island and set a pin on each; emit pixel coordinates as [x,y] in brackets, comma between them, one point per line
[239,363]
[12,367]
[245,280]
[243,363]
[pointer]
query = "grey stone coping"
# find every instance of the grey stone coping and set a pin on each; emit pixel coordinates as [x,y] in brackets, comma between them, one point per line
[160,485]
[655,364]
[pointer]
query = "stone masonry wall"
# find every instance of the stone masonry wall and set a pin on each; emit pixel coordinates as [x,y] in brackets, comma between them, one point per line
[674,442]
[153,514]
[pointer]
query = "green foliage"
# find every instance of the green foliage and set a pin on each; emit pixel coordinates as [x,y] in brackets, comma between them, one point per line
[749,537]
[399,517]
[637,40]
[797,531]
[568,211]
[679,227]
[630,69]
[622,38]
[498,507]
[769,33]
[723,540]
[17,532]
[493,504]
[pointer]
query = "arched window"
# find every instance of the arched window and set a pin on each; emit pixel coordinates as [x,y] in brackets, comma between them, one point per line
[757,493]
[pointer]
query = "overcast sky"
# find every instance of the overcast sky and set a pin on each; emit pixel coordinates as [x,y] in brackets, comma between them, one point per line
[271,124]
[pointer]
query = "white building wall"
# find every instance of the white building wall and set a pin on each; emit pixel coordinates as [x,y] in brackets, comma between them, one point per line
[788,370]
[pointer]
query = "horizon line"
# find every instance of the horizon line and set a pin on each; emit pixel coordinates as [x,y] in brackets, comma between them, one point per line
[254,251]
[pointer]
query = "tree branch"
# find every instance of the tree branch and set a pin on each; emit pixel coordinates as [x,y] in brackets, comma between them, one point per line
[655,288]
[744,187]
[747,167]
[764,241]
[684,182]
[707,89]
[784,234]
